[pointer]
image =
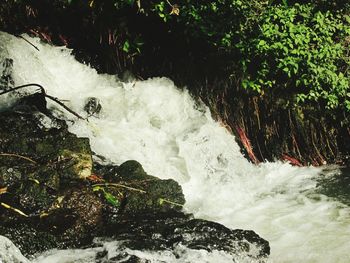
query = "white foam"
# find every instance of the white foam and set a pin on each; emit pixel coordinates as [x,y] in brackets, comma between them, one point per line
[9,253]
[112,251]
[161,126]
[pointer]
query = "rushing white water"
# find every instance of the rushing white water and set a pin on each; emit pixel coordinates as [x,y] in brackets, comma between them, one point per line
[162,127]
[183,255]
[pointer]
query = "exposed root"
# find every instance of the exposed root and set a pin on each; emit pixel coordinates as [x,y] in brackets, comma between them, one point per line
[293,161]
[247,145]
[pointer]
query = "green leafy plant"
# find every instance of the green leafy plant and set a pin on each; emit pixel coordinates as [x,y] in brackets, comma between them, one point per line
[299,52]
[110,198]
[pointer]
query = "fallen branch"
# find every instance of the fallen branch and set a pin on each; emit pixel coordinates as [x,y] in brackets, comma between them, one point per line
[24,86]
[42,90]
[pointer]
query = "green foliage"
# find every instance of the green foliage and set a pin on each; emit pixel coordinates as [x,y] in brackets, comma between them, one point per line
[110,198]
[300,52]
[294,49]
[221,23]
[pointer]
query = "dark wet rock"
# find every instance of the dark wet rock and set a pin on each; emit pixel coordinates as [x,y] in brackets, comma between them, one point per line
[32,102]
[32,197]
[165,231]
[6,67]
[29,239]
[85,213]
[151,193]
[53,196]
[93,106]
[202,234]
[29,147]
[9,175]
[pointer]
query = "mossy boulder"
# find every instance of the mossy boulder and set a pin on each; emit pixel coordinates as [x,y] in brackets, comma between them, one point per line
[28,146]
[43,190]
[150,192]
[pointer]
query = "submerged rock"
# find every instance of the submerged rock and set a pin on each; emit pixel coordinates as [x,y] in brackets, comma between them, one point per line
[53,196]
[93,106]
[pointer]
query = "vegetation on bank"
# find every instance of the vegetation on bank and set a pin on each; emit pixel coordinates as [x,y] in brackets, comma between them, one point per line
[291,49]
[281,56]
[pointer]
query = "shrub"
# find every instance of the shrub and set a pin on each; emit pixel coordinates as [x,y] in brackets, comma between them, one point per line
[298,51]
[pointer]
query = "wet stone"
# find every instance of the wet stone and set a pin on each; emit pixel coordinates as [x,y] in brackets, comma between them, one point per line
[93,106]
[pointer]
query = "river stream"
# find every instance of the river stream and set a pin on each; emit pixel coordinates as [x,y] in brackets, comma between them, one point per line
[172,136]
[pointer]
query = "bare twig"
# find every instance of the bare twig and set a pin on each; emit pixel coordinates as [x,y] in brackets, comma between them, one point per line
[63,106]
[13,209]
[29,42]
[122,186]
[162,200]
[18,156]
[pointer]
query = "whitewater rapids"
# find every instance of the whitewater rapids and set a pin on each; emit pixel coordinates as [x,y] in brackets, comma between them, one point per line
[172,136]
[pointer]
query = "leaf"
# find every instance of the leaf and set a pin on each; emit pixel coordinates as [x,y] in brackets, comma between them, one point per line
[111,199]
[262,42]
[97,188]
[126,46]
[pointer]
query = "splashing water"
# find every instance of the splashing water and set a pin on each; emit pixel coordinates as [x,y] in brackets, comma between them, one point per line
[162,127]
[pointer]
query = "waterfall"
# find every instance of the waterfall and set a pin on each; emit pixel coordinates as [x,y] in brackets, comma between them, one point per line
[172,136]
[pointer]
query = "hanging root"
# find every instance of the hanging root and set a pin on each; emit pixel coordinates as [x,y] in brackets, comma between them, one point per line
[291,160]
[247,145]
[42,90]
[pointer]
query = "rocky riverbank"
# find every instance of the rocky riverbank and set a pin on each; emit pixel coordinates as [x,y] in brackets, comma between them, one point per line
[54,195]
